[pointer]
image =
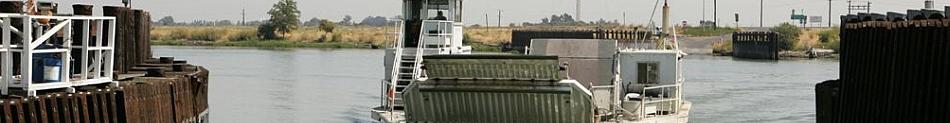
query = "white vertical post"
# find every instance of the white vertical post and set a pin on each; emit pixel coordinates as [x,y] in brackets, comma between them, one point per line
[68,41]
[84,64]
[7,59]
[110,54]
[26,56]
[99,50]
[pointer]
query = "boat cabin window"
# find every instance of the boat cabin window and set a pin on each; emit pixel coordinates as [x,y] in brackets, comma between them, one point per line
[647,73]
[438,10]
[430,10]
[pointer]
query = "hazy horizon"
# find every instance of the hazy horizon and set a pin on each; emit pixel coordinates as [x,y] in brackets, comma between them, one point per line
[513,11]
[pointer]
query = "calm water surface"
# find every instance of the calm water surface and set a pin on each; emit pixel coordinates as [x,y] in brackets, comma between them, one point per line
[339,86]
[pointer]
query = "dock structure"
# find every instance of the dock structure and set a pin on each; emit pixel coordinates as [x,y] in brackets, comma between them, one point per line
[83,68]
[521,38]
[55,52]
[756,45]
[892,70]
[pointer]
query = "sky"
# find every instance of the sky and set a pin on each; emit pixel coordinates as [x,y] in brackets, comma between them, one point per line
[515,11]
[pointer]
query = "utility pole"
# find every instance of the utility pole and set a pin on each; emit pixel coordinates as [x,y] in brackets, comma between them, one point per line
[486,20]
[243,18]
[761,13]
[499,18]
[577,11]
[704,12]
[715,14]
[624,18]
[829,13]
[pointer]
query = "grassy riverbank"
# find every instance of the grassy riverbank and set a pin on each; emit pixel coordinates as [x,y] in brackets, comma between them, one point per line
[482,39]
[264,44]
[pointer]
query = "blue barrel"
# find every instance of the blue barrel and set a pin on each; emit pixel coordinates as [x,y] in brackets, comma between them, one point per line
[47,68]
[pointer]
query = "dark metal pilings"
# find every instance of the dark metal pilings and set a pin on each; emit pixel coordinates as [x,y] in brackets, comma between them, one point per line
[95,106]
[893,72]
[132,41]
[756,45]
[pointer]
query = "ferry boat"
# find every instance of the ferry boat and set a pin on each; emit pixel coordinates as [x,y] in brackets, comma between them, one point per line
[432,77]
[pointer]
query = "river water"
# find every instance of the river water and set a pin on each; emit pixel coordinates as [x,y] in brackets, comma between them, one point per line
[251,85]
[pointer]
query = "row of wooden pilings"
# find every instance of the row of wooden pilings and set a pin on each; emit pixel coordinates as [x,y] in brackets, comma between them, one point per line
[890,72]
[178,97]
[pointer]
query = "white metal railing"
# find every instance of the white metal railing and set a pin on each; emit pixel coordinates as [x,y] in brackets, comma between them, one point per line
[394,73]
[95,60]
[666,102]
[436,36]
[438,29]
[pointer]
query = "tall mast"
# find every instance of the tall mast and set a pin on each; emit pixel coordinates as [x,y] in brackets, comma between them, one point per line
[666,23]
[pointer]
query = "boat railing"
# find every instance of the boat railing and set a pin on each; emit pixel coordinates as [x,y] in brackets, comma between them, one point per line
[436,36]
[398,45]
[667,103]
[46,62]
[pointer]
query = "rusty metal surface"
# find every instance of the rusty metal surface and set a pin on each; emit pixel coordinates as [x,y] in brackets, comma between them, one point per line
[98,106]
[132,37]
[180,97]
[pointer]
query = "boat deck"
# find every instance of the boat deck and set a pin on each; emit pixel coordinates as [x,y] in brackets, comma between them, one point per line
[385,116]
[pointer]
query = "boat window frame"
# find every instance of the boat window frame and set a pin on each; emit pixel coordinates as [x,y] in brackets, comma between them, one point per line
[648,76]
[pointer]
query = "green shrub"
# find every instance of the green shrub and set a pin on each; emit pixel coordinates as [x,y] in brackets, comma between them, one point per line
[789,34]
[327,26]
[267,31]
[831,39]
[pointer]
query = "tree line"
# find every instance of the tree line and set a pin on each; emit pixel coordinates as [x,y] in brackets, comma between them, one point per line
[312,22]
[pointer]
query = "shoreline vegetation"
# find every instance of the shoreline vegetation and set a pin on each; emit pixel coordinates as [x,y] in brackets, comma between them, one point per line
[798,43]
[482,39]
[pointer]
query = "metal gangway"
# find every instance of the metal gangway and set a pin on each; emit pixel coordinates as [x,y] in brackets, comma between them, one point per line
[55,52]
